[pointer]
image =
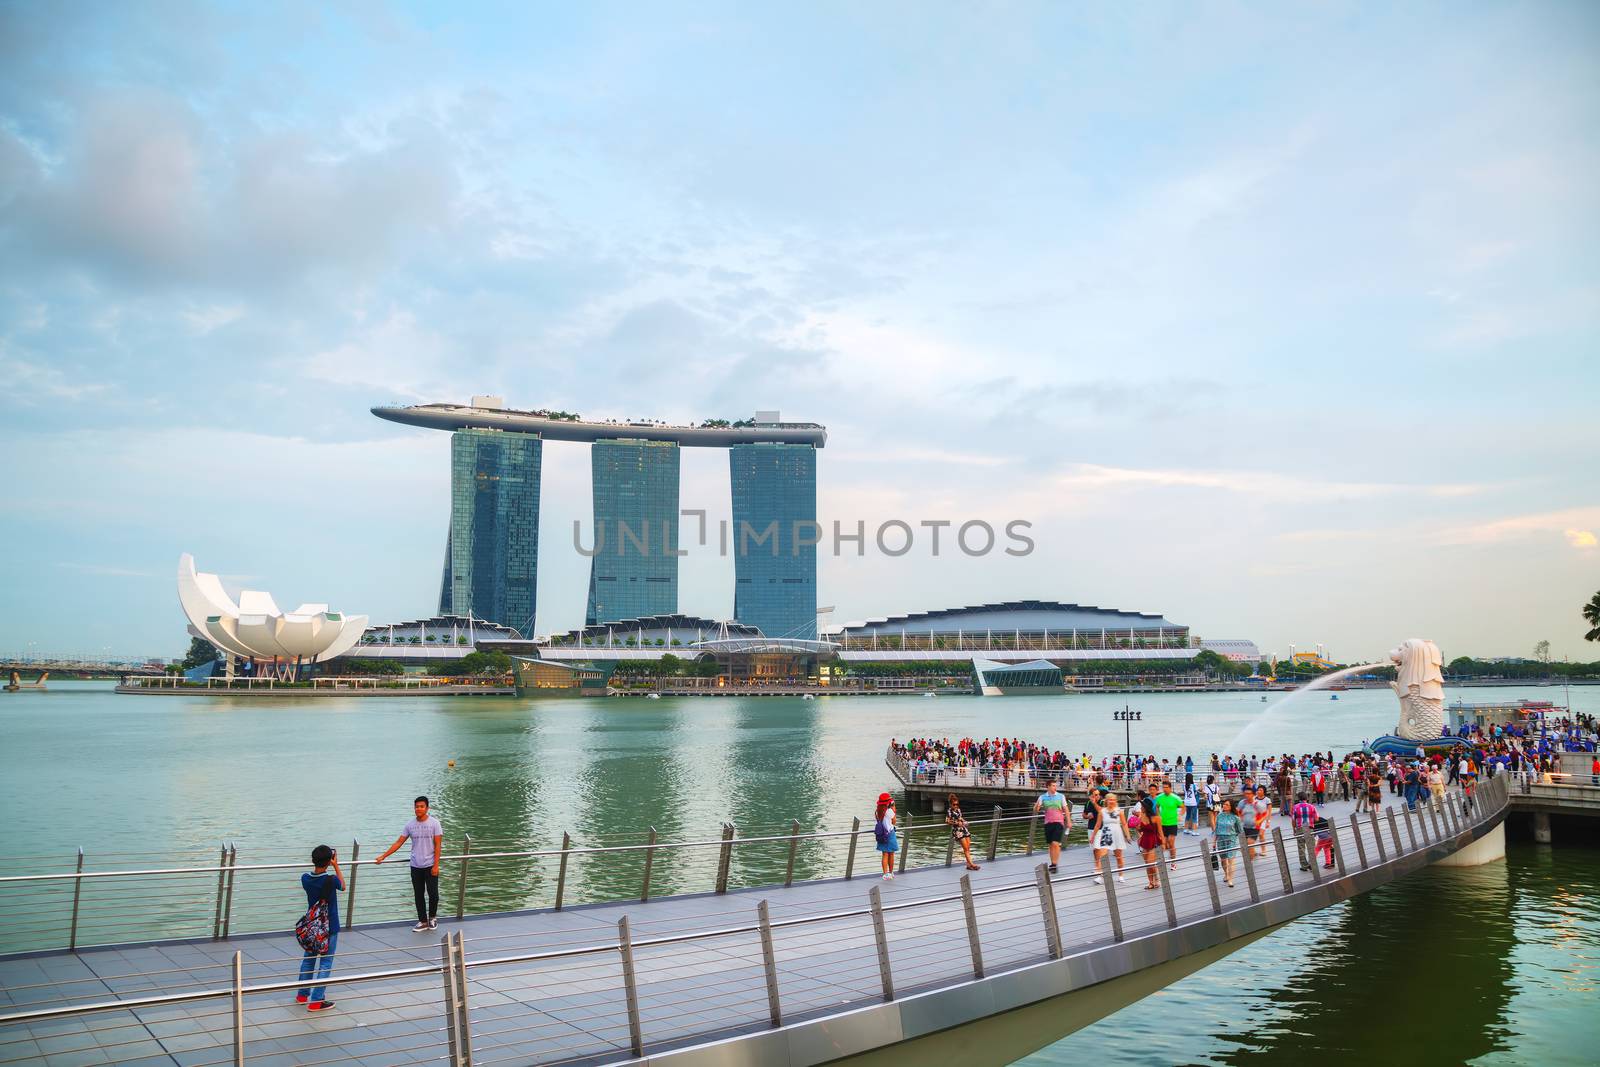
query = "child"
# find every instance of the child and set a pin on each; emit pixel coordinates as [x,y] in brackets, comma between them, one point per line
[1324,843]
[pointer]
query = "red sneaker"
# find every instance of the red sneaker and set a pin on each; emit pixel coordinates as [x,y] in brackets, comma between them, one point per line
[300,998]
[319,1005]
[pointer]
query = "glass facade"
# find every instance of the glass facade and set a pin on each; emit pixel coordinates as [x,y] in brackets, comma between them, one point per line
[634,571]
[775,570]
[492,551]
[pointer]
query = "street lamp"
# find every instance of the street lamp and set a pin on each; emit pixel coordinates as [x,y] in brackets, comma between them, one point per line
[1126,717]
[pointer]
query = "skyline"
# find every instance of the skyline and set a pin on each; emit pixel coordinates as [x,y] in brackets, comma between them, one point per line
[1279,325]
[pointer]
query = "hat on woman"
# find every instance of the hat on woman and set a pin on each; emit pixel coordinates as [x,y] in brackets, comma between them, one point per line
[885,798]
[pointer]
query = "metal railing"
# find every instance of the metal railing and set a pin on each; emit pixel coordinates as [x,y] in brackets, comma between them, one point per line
[615,999]
[77,906]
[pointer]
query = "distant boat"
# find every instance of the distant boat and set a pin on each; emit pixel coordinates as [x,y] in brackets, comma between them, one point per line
[930,695]
[1333,696]
[1263,698]
[808,696]
[652,696]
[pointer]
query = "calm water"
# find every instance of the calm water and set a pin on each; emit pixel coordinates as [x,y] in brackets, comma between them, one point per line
[133,779]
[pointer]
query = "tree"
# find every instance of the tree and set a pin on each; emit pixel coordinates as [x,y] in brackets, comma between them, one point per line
[1541,651]
[1591,612]
[202,651]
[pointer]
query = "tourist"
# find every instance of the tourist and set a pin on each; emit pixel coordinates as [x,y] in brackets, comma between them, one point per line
[1225,827]
[1304,816]
[1358,783]
[1191,809]
[883,830]
[1374,790]
[427,842]
[1324,831]
[1413,785]
[323,884]
[1259,819]
[1111,836]
[959,832]
[1057,821]
[1211,793]
[1436,784]
[1171,807]
[1594,771]
[1319,784]
[1149,836]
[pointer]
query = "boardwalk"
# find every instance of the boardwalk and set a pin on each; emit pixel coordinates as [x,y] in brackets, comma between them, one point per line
[826,975]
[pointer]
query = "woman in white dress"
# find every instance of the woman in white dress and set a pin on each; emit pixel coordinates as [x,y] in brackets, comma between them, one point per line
[1110,833]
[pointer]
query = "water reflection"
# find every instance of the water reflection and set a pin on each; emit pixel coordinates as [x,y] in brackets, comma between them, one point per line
[1449,965]
[772,765]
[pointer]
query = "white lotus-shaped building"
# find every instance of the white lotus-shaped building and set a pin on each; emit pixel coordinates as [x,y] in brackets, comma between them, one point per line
[256,629]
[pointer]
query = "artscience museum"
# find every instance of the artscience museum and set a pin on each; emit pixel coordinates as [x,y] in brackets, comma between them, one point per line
[255,630]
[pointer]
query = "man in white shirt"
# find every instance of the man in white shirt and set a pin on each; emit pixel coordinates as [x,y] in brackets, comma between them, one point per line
[427,842]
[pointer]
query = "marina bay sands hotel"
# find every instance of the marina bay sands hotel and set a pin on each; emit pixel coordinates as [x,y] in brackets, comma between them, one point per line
[491,563]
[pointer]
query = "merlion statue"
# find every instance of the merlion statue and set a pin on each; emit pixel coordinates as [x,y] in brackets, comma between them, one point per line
[1420,686]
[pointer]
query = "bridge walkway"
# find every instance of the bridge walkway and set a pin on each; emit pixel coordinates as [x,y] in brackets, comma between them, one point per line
[813,966]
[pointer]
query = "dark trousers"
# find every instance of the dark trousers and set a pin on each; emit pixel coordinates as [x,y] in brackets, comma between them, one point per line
[424,880]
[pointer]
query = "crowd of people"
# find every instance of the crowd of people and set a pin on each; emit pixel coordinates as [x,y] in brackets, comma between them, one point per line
[1238,797]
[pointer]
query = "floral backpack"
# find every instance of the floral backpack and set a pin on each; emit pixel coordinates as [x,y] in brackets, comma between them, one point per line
[314,927]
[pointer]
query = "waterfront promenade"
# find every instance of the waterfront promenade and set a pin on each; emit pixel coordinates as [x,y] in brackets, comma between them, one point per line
[798,974]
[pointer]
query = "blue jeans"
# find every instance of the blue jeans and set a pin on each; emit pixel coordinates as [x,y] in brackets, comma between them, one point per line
[317,968]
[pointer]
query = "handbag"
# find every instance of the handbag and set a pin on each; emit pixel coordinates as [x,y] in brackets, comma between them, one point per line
[314,927]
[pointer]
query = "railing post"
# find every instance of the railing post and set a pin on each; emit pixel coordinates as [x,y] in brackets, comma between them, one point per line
[461,885]
[794,845]
[1047,907]
[769,960]
[881,935]
[725,857]
[850,859]
[972,925]
[1338,848]
[994,832]
[222,876]
[1309,843]
[950,849]
[1112,908]
[1163,876]
[452,1014]
[905,841]
[649,863]
[349,917]
[238,1009]
[464,1020]
[1246,848]
[561,871]
[1411,830]
[630,986]
[1283,860]
[1207,857]
[1032,823]
[227,903]
[1377,835]
[1453,806]
[1438,827]
[77,895]
[1394,832]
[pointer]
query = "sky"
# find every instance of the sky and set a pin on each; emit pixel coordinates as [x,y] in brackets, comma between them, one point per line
[1281,321]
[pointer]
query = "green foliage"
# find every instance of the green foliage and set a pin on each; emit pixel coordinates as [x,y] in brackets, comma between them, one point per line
[495,663]
[1591,615]
[200,651]
[1467,667]
[366,668]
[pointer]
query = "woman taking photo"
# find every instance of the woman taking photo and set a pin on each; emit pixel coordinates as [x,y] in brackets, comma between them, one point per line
[883,824]
[958,829]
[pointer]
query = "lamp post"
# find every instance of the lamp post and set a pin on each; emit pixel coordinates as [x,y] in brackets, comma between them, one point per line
[1126,717]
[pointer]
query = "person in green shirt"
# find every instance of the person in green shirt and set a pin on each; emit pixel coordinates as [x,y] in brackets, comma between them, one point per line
[1170,805]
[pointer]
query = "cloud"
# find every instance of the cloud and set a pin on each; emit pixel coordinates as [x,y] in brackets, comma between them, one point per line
[30,382]
[1088,477]
[106,571]
[1581,539]
[1545,524]
[144,190]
